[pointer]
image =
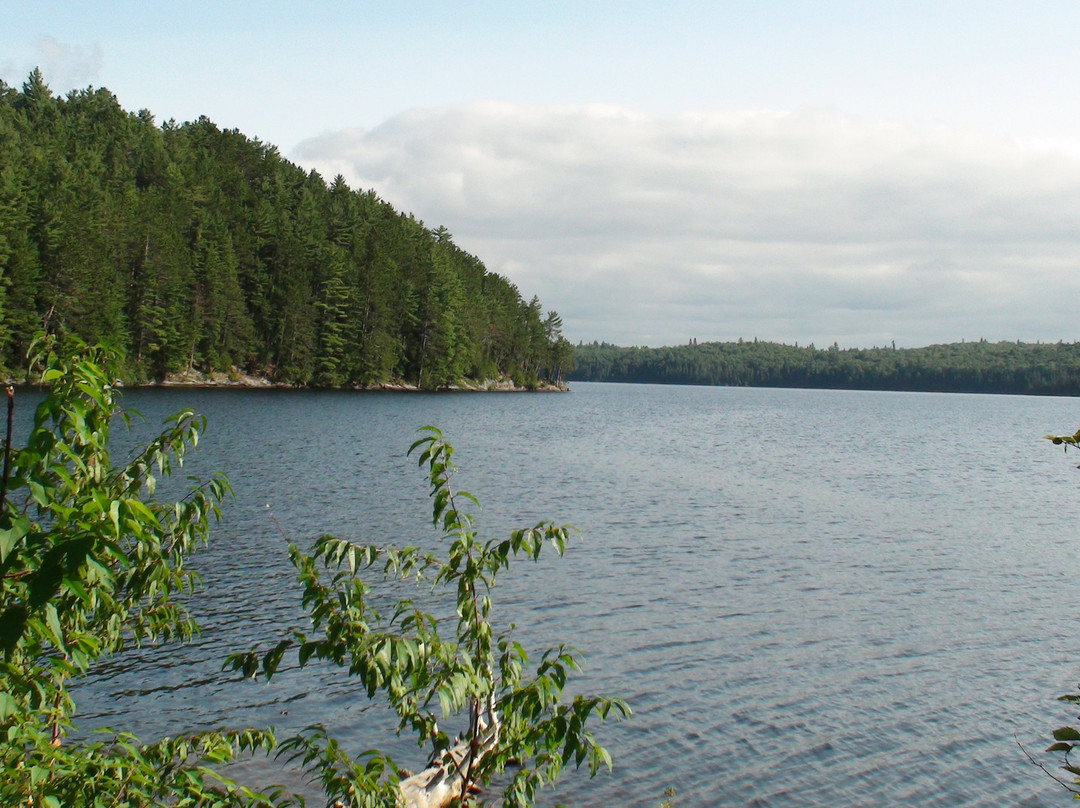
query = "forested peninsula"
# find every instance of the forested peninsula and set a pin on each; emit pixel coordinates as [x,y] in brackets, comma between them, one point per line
[964,367]
[193,248]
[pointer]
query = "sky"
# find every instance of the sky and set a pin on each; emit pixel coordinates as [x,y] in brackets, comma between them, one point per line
[853,172]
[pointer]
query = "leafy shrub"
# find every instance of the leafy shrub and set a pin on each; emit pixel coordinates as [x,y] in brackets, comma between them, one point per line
[91,562]
[514,717]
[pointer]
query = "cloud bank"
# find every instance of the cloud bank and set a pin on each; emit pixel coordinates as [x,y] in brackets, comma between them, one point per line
[793,226]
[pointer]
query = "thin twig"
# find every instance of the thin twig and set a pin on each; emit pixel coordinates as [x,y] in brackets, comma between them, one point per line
[277,524]
[7,445]
[474,717]
[1067,786]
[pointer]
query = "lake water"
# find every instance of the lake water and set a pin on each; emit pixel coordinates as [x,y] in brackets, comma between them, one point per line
[808,597]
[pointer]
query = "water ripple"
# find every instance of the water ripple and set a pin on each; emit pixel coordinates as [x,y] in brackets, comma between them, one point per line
[808,597]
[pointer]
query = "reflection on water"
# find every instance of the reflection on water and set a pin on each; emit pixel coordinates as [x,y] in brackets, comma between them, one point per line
[818,597]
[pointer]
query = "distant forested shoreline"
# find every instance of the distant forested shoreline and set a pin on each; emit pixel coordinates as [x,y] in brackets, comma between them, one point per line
[963,367]
[197,249]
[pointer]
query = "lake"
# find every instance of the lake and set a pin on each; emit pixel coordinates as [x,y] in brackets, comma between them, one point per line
[815,597]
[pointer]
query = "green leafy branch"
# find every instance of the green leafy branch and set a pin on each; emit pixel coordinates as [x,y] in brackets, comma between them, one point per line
[90,562]
[513,717]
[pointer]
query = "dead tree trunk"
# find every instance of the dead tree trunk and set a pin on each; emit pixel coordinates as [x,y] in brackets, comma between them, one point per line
[447,777]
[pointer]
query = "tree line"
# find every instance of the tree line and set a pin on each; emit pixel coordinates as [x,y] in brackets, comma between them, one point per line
[963,367]
[191,247]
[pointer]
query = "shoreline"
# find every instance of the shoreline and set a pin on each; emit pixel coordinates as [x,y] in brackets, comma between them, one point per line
[196,379]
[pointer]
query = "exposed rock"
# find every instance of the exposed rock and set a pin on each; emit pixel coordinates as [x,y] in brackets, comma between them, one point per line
[236,378]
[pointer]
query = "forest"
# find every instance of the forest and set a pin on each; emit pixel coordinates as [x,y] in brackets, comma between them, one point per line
[963,367]
[192,247]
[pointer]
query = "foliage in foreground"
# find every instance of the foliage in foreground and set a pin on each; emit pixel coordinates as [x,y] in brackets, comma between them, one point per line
[91,563]
[512,717]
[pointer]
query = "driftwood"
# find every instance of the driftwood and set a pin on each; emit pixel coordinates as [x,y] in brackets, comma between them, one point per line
[450,773]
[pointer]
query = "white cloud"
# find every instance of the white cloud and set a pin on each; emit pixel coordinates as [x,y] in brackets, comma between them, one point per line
[65,67]
[806,226]
[70,65]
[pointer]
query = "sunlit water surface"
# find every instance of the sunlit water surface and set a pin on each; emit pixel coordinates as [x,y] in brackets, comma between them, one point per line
[808,597]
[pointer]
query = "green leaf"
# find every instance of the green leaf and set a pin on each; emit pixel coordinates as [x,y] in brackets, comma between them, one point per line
[306,651]
[8,705]
[12,626]
[446,700]
[52,620]
[37,491]
[272,660]
[1066,734]
[20,526]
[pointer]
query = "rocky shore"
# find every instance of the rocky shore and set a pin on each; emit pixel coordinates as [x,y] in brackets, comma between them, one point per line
[235,378]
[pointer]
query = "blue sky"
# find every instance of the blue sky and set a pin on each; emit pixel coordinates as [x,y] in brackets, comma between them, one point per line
[858,172]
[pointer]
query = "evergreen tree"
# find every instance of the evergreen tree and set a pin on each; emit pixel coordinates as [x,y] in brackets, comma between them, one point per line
[188,245]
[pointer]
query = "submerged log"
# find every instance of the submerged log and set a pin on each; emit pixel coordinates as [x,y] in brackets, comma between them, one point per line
[444,780]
